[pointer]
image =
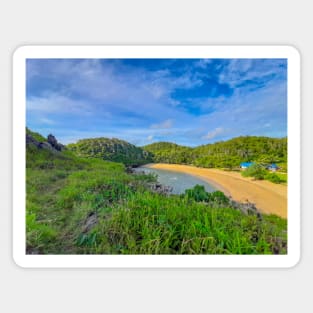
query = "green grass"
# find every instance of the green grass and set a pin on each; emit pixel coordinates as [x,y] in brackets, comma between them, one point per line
[35,135]
[90,206]
[151,224]
[282,176]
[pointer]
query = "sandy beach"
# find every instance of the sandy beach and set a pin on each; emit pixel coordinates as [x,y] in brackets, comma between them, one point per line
[268,197]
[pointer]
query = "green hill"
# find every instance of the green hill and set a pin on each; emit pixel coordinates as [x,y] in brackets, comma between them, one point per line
[223,154]
[115,150]
[226,154]
[167,152]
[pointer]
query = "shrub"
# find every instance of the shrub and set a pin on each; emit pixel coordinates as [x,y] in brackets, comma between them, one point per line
[198,193]
[274,178]
[256,171]
[219,197]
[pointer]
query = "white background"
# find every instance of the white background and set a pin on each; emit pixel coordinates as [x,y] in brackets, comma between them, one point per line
[159,22]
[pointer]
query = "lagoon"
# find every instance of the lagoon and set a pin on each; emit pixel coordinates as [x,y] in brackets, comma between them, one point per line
[178,181]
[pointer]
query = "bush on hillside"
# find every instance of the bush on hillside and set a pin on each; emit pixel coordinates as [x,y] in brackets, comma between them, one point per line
[198,193]
[274,178]
[256,171]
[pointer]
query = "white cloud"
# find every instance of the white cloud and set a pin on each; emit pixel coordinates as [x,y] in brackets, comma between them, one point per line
[46,121]
[203,63]
[54,103]
[150,138]
[239,71]
[163,125]
[262,112]
[212,134]
[108,89]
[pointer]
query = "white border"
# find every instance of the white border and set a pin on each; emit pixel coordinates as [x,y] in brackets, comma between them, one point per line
[155,261]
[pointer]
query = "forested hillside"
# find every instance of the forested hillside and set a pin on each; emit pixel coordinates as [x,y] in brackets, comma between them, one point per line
[114,149]
[224,154]
[227,154]
[167,152]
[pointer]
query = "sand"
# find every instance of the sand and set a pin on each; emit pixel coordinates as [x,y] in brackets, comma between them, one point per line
[268,197]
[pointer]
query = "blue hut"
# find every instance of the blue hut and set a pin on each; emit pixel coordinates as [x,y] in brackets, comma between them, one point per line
[244,165]
[273,167]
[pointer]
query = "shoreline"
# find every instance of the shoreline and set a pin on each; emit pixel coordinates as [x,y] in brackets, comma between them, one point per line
[268,197]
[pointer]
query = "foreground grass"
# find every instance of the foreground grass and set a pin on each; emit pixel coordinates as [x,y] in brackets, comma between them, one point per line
[80,206]
[152,224]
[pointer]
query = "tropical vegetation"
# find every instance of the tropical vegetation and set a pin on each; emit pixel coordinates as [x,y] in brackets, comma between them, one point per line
[224,154]
[111,150]
[259,172]
[85,205]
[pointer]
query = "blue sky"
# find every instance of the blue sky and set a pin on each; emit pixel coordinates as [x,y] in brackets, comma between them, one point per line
[187,101]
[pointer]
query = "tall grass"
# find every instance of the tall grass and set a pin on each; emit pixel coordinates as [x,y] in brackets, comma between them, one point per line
[148,223]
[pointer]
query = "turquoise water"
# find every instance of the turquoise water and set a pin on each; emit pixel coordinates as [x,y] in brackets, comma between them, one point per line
[178,181]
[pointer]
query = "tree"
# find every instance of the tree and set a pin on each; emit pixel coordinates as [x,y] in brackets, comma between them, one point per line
[256,171]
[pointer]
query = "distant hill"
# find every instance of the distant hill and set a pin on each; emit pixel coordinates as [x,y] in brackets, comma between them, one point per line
[223,154]
[227,154]
[112,150]
[167,152]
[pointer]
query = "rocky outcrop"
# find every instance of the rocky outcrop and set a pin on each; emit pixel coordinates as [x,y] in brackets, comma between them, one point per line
[51,143]
[54,143]
[246,208]
[129,170]
[90,222]
[160,189]
[31,140]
